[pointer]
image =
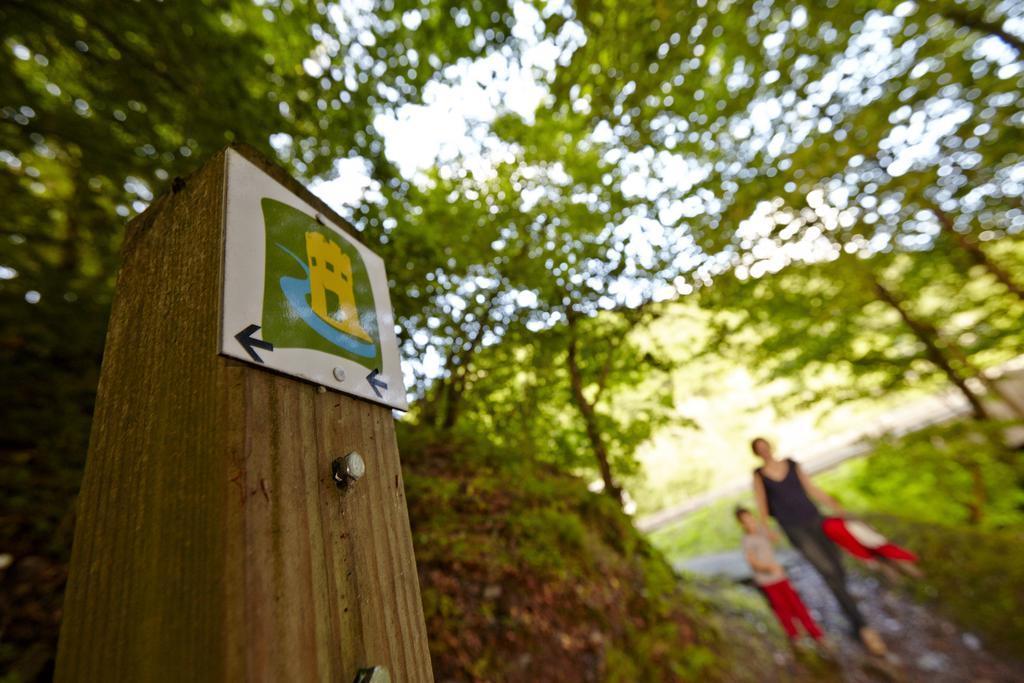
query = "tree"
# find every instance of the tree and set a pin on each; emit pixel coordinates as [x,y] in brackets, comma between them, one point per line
[841,329]
[802,128]
[541,245]
[102,109]
[582,395]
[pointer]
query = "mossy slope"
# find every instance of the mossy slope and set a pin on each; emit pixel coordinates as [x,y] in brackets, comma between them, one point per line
[528,576]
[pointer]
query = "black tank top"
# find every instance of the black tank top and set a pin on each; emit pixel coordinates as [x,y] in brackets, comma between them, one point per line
[787,500]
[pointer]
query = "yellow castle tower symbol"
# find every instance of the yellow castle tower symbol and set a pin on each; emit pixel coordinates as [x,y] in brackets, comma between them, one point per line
[330,270]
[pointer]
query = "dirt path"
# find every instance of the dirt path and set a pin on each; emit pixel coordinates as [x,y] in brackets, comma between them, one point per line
[923,646]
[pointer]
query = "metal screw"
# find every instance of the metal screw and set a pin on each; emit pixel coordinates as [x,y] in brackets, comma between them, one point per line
[348,470]
[339,374]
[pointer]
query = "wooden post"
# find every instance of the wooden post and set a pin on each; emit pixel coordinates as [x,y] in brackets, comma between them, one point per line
[212,543]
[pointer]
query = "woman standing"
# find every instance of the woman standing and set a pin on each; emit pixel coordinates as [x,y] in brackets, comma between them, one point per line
[784,491]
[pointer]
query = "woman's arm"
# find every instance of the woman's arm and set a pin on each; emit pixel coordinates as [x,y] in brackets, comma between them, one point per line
[817,494]
[761,498]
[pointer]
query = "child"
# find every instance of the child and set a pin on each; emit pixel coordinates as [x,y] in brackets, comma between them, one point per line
[864,543]
[770,577]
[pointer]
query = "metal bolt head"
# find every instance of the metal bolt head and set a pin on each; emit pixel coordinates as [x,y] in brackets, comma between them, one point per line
[339,374]
[348,470]
[375,674]
[355,468]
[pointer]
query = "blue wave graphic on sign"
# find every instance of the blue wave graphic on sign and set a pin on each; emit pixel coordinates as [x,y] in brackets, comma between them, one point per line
[297,293]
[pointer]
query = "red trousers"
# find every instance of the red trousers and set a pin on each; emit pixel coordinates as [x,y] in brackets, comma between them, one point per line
[788,607]
[835,528]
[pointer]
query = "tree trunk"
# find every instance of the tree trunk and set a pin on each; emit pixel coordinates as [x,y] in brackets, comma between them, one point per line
[977,254]
[429,405]
[590,418]
[992,386]
[453,401]
[979,495]
[929,336]
[456,389]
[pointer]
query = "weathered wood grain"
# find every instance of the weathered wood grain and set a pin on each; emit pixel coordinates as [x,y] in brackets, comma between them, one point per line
[212,543]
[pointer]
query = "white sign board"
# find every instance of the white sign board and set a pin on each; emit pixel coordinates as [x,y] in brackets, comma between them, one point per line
[302,297]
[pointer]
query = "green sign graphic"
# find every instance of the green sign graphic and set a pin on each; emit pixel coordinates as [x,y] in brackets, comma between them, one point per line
[316,291]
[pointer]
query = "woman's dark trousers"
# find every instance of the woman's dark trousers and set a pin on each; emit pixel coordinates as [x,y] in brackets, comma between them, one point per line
[823,555]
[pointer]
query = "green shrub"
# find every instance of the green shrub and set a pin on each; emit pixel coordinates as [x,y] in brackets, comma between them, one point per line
[954,473]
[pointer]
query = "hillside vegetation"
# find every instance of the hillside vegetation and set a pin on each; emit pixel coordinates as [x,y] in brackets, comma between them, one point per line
[528,576]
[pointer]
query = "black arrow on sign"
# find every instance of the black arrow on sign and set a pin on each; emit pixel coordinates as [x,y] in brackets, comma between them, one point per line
[375,383]
[247,341]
